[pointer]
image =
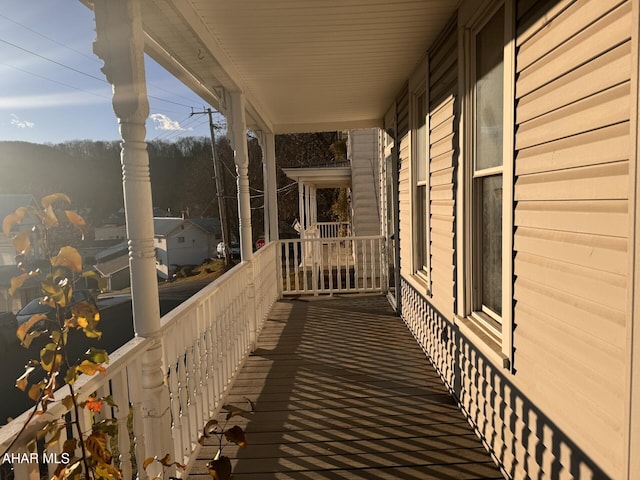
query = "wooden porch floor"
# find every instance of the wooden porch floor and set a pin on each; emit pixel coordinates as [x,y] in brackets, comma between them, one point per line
[342,391]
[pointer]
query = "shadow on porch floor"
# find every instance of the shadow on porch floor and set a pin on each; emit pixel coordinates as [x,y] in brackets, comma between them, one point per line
[342,391]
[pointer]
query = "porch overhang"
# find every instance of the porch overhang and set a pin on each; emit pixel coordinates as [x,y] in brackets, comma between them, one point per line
[302,65]
[321,177]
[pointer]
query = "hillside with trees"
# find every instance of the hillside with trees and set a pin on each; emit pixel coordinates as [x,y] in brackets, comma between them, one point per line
[181,174]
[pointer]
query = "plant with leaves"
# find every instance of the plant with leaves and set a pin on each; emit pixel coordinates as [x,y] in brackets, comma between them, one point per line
[165,462]
[43,253]
[220,466]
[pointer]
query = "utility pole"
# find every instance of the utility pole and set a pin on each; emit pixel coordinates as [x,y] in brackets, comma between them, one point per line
[217,173]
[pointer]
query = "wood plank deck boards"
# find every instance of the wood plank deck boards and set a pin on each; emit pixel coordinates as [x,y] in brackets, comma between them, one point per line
[342,391]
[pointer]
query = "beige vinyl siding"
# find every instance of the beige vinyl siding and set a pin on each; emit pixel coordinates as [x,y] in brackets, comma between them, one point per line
[404,180]
[571,219]
[443,89]
[559,412]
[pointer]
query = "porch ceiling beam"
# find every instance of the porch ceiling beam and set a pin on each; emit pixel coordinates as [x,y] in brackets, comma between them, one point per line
[178,70]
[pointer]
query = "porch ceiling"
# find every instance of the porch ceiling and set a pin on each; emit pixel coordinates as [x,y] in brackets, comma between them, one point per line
[304,65]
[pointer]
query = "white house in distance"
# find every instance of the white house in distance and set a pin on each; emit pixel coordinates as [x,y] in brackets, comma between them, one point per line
[180,241]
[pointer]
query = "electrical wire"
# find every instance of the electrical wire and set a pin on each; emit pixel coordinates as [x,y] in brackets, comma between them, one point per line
[92,58]
[26,50]
[55,81]
[80,72]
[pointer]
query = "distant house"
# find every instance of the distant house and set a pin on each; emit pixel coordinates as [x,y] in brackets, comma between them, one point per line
[113,264]
[114,227]
[212,227]
[180,241]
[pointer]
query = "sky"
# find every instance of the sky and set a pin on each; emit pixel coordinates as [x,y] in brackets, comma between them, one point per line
[52,89]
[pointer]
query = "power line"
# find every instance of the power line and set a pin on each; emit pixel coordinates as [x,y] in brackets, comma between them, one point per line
[92,58]
[53,61]
[55,81]
[80,72]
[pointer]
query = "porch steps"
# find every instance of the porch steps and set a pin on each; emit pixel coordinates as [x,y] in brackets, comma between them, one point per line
[342,391]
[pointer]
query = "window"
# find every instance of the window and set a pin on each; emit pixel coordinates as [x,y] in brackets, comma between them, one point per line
[180,239]
[420,174]
[421,220]
[487,208]
[487,166]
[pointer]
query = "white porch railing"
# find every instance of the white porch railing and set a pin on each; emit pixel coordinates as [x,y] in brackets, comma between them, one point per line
[205,340]
[333,265]
[334,229]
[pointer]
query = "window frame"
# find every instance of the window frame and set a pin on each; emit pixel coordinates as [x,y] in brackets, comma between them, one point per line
[421,247]
[495,332]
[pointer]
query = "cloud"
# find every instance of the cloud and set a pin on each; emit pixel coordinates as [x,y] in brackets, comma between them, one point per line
[163,122]
[16,122]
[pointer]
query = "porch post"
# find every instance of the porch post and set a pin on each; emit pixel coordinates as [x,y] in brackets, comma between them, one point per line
[303,225]
[237,127]
[238,133]
[270,186]
[120,44]
[307,203]
[314,205]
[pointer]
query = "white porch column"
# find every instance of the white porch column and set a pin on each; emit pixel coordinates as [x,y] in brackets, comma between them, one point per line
[270,186]
[237,128]
[301,189]
[238,135]
[314,205]
[307,205]
[120,44]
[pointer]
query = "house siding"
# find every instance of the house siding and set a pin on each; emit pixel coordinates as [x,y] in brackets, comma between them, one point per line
[558,411]
[443,139]
[571,225]
[365,181]
[404,182]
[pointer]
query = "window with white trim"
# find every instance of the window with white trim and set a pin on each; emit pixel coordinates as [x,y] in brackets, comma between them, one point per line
[421,211]
[487,163]
[419,90]
[488,178]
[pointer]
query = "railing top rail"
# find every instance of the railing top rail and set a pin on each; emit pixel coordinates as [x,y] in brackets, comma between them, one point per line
[185,307]
[316,239]
[193,302]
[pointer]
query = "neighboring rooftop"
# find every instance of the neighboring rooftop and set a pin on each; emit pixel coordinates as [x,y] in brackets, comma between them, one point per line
[208,224]
[163,226]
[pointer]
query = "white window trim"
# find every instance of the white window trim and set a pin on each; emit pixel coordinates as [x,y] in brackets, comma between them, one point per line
[419,84]
[497,345]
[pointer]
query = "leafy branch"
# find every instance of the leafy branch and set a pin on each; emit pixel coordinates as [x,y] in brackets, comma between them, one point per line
[220,466]
[43,252]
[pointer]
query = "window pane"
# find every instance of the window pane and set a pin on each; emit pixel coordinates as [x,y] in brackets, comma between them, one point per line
[489,89]
[421,227]
[421,141]
[492,242]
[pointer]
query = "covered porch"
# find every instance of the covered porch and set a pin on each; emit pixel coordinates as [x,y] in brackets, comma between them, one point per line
[364,400]
[342,390]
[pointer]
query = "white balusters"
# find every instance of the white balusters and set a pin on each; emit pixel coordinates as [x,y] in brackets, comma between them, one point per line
[332,265]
